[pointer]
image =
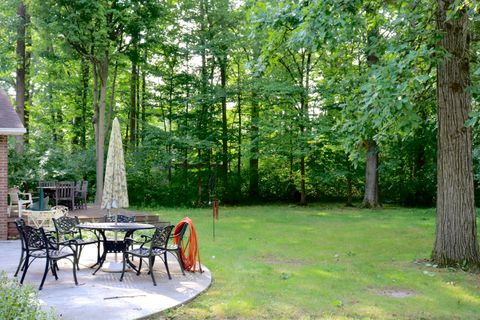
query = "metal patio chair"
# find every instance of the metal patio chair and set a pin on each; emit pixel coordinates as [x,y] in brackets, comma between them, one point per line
[66,230]
[149,249]
[38,245]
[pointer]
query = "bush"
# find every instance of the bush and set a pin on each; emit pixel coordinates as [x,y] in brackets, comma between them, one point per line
[20,301]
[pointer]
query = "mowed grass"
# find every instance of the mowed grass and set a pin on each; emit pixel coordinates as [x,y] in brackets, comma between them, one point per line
[328,262]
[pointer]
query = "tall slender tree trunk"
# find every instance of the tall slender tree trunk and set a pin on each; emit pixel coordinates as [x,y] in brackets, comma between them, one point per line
[305,125]
[144,96]
[21,71]
[349,174]
[85,77]
[133,104]
[137,118]
[370,198]
[203,87]
[112,98]
[28,87]
[254,189]
[239,110]
[456,228]
[170,120]
[223,82]
[100,128]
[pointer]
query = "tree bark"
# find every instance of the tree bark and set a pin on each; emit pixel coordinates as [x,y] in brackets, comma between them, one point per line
[223,82]
[349,175]
[239,109]
[254,132]
[133,104]
[21,71]
[144,95]
[370,198]
[305,83]
[112,98]
[100,128]
[85,78]
[456,228]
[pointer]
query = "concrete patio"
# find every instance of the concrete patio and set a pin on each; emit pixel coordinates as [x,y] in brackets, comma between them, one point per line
[103,296]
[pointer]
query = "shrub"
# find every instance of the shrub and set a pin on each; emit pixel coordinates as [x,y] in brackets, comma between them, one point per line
[20,302]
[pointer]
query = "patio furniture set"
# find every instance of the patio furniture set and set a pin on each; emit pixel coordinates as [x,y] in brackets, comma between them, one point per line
[71,194]
[38,213]
[66,241]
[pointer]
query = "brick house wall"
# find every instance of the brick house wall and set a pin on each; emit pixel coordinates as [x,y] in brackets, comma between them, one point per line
[3,187]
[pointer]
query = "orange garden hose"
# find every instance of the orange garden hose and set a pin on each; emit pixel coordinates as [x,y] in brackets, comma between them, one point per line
[189,258]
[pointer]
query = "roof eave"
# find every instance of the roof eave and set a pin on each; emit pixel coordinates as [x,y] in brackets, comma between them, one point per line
[12,131]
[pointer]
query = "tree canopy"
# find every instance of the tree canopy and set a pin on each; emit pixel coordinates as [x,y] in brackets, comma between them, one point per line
[237,100]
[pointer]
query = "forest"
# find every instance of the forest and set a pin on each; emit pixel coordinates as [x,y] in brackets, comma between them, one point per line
[242,101]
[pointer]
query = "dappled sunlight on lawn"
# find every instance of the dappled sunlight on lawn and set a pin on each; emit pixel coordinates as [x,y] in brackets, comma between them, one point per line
[317,262]
[461,294]
[320,214]
[369,311]
[325,274]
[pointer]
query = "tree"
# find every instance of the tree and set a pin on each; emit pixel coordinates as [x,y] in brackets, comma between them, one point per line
[97,31]
[456,228]
[23,59]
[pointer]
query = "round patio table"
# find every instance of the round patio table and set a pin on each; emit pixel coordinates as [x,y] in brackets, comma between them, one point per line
[114,246]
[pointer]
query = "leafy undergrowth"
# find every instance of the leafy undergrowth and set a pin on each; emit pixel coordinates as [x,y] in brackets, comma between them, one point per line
[329,262]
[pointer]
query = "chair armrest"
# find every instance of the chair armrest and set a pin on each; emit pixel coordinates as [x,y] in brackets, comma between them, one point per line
[28,195]
[130,241]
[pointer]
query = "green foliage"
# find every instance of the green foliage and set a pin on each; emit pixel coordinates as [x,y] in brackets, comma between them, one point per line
[298,87]
[20,301]
[55,163]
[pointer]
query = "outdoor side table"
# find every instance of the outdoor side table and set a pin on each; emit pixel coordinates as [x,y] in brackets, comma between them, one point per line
[113,246]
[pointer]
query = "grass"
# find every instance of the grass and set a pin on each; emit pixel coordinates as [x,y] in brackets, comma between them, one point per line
[329,262]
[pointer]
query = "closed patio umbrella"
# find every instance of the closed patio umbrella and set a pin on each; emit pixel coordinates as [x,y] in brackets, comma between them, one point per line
[115,194]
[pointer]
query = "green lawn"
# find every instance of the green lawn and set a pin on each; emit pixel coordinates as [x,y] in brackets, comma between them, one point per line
[284,262]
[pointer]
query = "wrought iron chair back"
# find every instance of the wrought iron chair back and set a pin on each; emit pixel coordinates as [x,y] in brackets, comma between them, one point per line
[66,226]
[160,238]
[120,218]
[176,246]
[35,239]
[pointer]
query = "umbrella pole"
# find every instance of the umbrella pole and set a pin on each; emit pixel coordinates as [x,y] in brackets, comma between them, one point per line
[115,237]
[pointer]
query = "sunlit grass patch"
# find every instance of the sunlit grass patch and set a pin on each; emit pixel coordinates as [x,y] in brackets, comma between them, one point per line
[324,262]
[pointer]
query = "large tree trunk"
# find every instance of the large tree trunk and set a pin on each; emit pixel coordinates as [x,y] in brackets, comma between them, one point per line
[456,229]
[370,198]
[21,71]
